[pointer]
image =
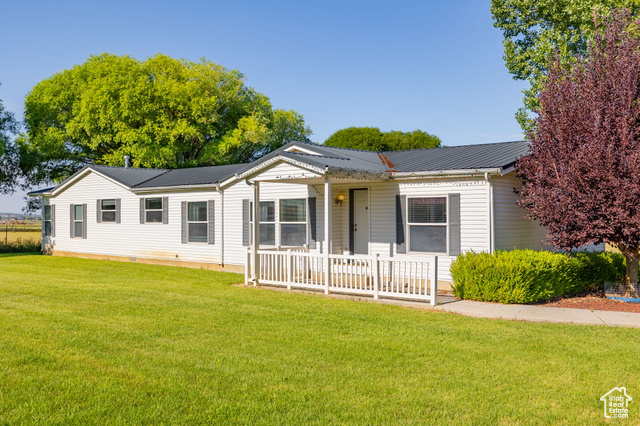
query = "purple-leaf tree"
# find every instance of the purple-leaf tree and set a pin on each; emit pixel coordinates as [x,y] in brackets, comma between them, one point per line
[583,170]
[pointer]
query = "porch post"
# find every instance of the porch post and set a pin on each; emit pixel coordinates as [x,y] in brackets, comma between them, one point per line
[434,282]
[256,231]
[327,233]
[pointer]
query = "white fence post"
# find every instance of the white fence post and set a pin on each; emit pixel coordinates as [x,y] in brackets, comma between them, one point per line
[289,269]
[434,282]
[376,274]
[247,269]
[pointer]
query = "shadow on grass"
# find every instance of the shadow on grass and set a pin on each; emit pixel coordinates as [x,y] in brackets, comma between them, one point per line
[35,253]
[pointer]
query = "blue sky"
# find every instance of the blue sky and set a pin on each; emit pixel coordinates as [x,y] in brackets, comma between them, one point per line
[397,65]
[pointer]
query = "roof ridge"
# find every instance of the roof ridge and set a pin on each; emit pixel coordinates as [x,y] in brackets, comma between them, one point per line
[315,155]
[322,145]
[456,146]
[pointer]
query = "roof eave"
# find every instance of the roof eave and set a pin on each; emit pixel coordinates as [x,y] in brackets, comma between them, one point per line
[443,173]
[175,188]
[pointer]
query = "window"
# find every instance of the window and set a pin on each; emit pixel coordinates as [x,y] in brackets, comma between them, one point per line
[293,222]
[153,211]
[197,223]
[77,221]
[48,221]
[427,222]
[267,222]
[107,210]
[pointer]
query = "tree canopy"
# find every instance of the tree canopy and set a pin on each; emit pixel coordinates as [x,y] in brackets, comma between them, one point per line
[9,170]
[163,112]
[371,138]
[534,30]
[583,170]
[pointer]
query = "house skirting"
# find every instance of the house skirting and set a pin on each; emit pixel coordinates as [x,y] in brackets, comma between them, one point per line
[186,264]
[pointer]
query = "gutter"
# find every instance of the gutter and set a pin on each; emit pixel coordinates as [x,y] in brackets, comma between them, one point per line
[221,192]
[491,214]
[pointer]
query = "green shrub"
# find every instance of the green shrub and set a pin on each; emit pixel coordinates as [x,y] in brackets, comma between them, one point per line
[528,276]
[20,246]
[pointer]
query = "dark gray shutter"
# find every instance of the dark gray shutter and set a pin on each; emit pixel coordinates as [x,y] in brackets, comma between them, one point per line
[84,221]
[313,222]
[165,209]
[117,210]
[53,220]
[185,225]
[72,233]
[141,210]
[211,224]
[454,224]
[246,225]
[98,211]
[401,203]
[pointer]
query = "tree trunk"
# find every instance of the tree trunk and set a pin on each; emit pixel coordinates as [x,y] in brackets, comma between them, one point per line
[632,255]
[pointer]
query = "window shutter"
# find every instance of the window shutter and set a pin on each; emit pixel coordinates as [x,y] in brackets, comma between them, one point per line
[401,203]
[117,210]
[312,220]
[44,208]
[211,224]
[84,221]
[184,223]
[53,220]
[454,224]
[246,235]
[165,210]
[72,234]
[98,212]
[141,210]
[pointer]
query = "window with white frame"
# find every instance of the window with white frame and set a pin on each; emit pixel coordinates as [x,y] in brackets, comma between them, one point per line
[293,222]
[267,222]
[427,223]
[48,221]
[153,210]
[78,221]
[197,222]
[108,210]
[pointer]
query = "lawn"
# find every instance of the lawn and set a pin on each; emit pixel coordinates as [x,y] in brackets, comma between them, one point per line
[98,342]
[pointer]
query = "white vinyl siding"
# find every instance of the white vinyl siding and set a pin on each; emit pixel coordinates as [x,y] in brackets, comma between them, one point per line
[130,238]
[513,231]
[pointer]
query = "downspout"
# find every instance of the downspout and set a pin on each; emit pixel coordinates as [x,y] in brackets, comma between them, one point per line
[490,211]
[221,192]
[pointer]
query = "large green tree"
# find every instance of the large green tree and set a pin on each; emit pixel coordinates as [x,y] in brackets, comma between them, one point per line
[535,30]
[163,112]
[9,171]
[372,139]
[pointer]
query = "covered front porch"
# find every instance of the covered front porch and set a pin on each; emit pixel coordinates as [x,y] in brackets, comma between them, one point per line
[350,266]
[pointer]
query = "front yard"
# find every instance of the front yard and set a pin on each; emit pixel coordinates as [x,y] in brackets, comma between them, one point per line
[96,342]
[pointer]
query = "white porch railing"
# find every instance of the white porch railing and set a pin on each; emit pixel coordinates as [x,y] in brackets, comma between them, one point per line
[378,276]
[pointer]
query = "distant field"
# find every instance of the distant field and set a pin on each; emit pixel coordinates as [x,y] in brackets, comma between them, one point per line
[30,227]
[11,237]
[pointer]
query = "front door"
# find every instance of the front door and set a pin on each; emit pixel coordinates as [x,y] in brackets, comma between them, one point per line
[360,222]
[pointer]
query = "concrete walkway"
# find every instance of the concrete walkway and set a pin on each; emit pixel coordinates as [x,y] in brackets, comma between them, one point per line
[471,308]
[540,313]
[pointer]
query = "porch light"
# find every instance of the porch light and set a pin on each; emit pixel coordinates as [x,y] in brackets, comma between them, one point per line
[339,199]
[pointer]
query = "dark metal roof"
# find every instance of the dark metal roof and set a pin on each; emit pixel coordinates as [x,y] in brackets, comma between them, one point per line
[130,176]
[193,176]
[465,157]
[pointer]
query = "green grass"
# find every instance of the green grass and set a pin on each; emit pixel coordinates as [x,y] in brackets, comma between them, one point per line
[97,342]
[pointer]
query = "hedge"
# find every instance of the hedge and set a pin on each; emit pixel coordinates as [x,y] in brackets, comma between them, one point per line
[528,276]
